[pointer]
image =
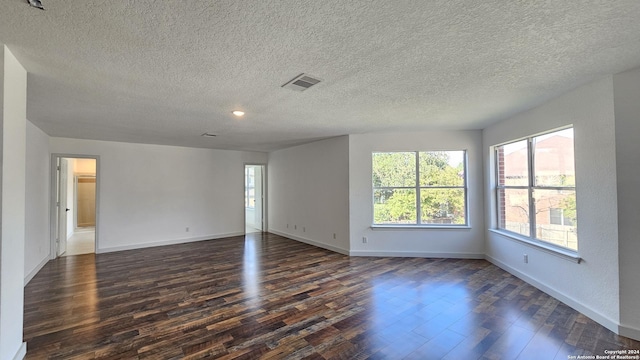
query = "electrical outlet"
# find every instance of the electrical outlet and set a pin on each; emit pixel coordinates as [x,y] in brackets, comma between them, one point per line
[186,229]
[287,226]
[525,258]
[364,240]
[334,235]
[304,229]
[295,227]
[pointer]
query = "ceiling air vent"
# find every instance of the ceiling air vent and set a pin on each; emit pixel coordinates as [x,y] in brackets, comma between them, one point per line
[301,82]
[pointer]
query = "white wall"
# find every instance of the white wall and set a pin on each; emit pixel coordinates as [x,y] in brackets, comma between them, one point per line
[149,194]
[308,192]
[627,113]
[12,240]
[37,237]
[592,286]
[462,243]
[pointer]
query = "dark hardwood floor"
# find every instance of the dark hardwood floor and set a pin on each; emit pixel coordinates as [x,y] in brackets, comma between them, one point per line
[270,297]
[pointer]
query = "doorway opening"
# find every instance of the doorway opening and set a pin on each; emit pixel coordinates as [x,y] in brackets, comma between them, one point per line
[74,205]
[254,198]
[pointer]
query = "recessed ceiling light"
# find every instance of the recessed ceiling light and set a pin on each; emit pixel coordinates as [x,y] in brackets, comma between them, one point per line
[237,113]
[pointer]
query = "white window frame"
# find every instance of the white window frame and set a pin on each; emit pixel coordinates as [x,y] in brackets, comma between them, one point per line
[530,187]
[417,189]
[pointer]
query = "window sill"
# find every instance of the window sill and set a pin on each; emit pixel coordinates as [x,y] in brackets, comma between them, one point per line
[566,254]
[419,227]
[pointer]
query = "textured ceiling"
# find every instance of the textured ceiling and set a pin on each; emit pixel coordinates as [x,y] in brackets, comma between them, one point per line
[164,72]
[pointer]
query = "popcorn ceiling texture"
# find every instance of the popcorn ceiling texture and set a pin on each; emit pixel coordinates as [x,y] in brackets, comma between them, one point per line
[164,72]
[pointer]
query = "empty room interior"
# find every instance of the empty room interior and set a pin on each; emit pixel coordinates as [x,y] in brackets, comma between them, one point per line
[320,180]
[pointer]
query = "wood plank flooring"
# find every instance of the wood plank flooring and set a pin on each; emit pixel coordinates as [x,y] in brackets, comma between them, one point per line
[265,296]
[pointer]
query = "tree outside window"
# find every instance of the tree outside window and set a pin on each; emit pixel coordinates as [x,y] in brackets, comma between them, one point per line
[419,188]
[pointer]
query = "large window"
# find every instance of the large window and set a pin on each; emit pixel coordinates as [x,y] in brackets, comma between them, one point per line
[419,188]
[536,188]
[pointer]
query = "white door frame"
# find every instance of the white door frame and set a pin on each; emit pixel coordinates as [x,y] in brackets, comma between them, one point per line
[52,202]
[62,205]
[264,194]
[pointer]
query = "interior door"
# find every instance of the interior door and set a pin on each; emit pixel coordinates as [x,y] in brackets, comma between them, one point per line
[61,235]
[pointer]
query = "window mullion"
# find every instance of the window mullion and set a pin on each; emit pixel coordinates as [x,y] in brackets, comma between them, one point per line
[532,206]
[418,205]
[496,159]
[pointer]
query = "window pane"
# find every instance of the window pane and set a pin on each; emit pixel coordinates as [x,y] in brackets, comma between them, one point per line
[442,206]
[553,159]
[396,169]
[513,208]
[442,168]
[556,217]
[251,198]
[394,206]
[513,164]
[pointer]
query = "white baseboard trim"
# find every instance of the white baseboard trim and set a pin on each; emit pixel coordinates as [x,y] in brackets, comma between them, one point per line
[21,353]
[167,242]
[573,303]
[311,242]
[421,254]
[35,271]
[629,332]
